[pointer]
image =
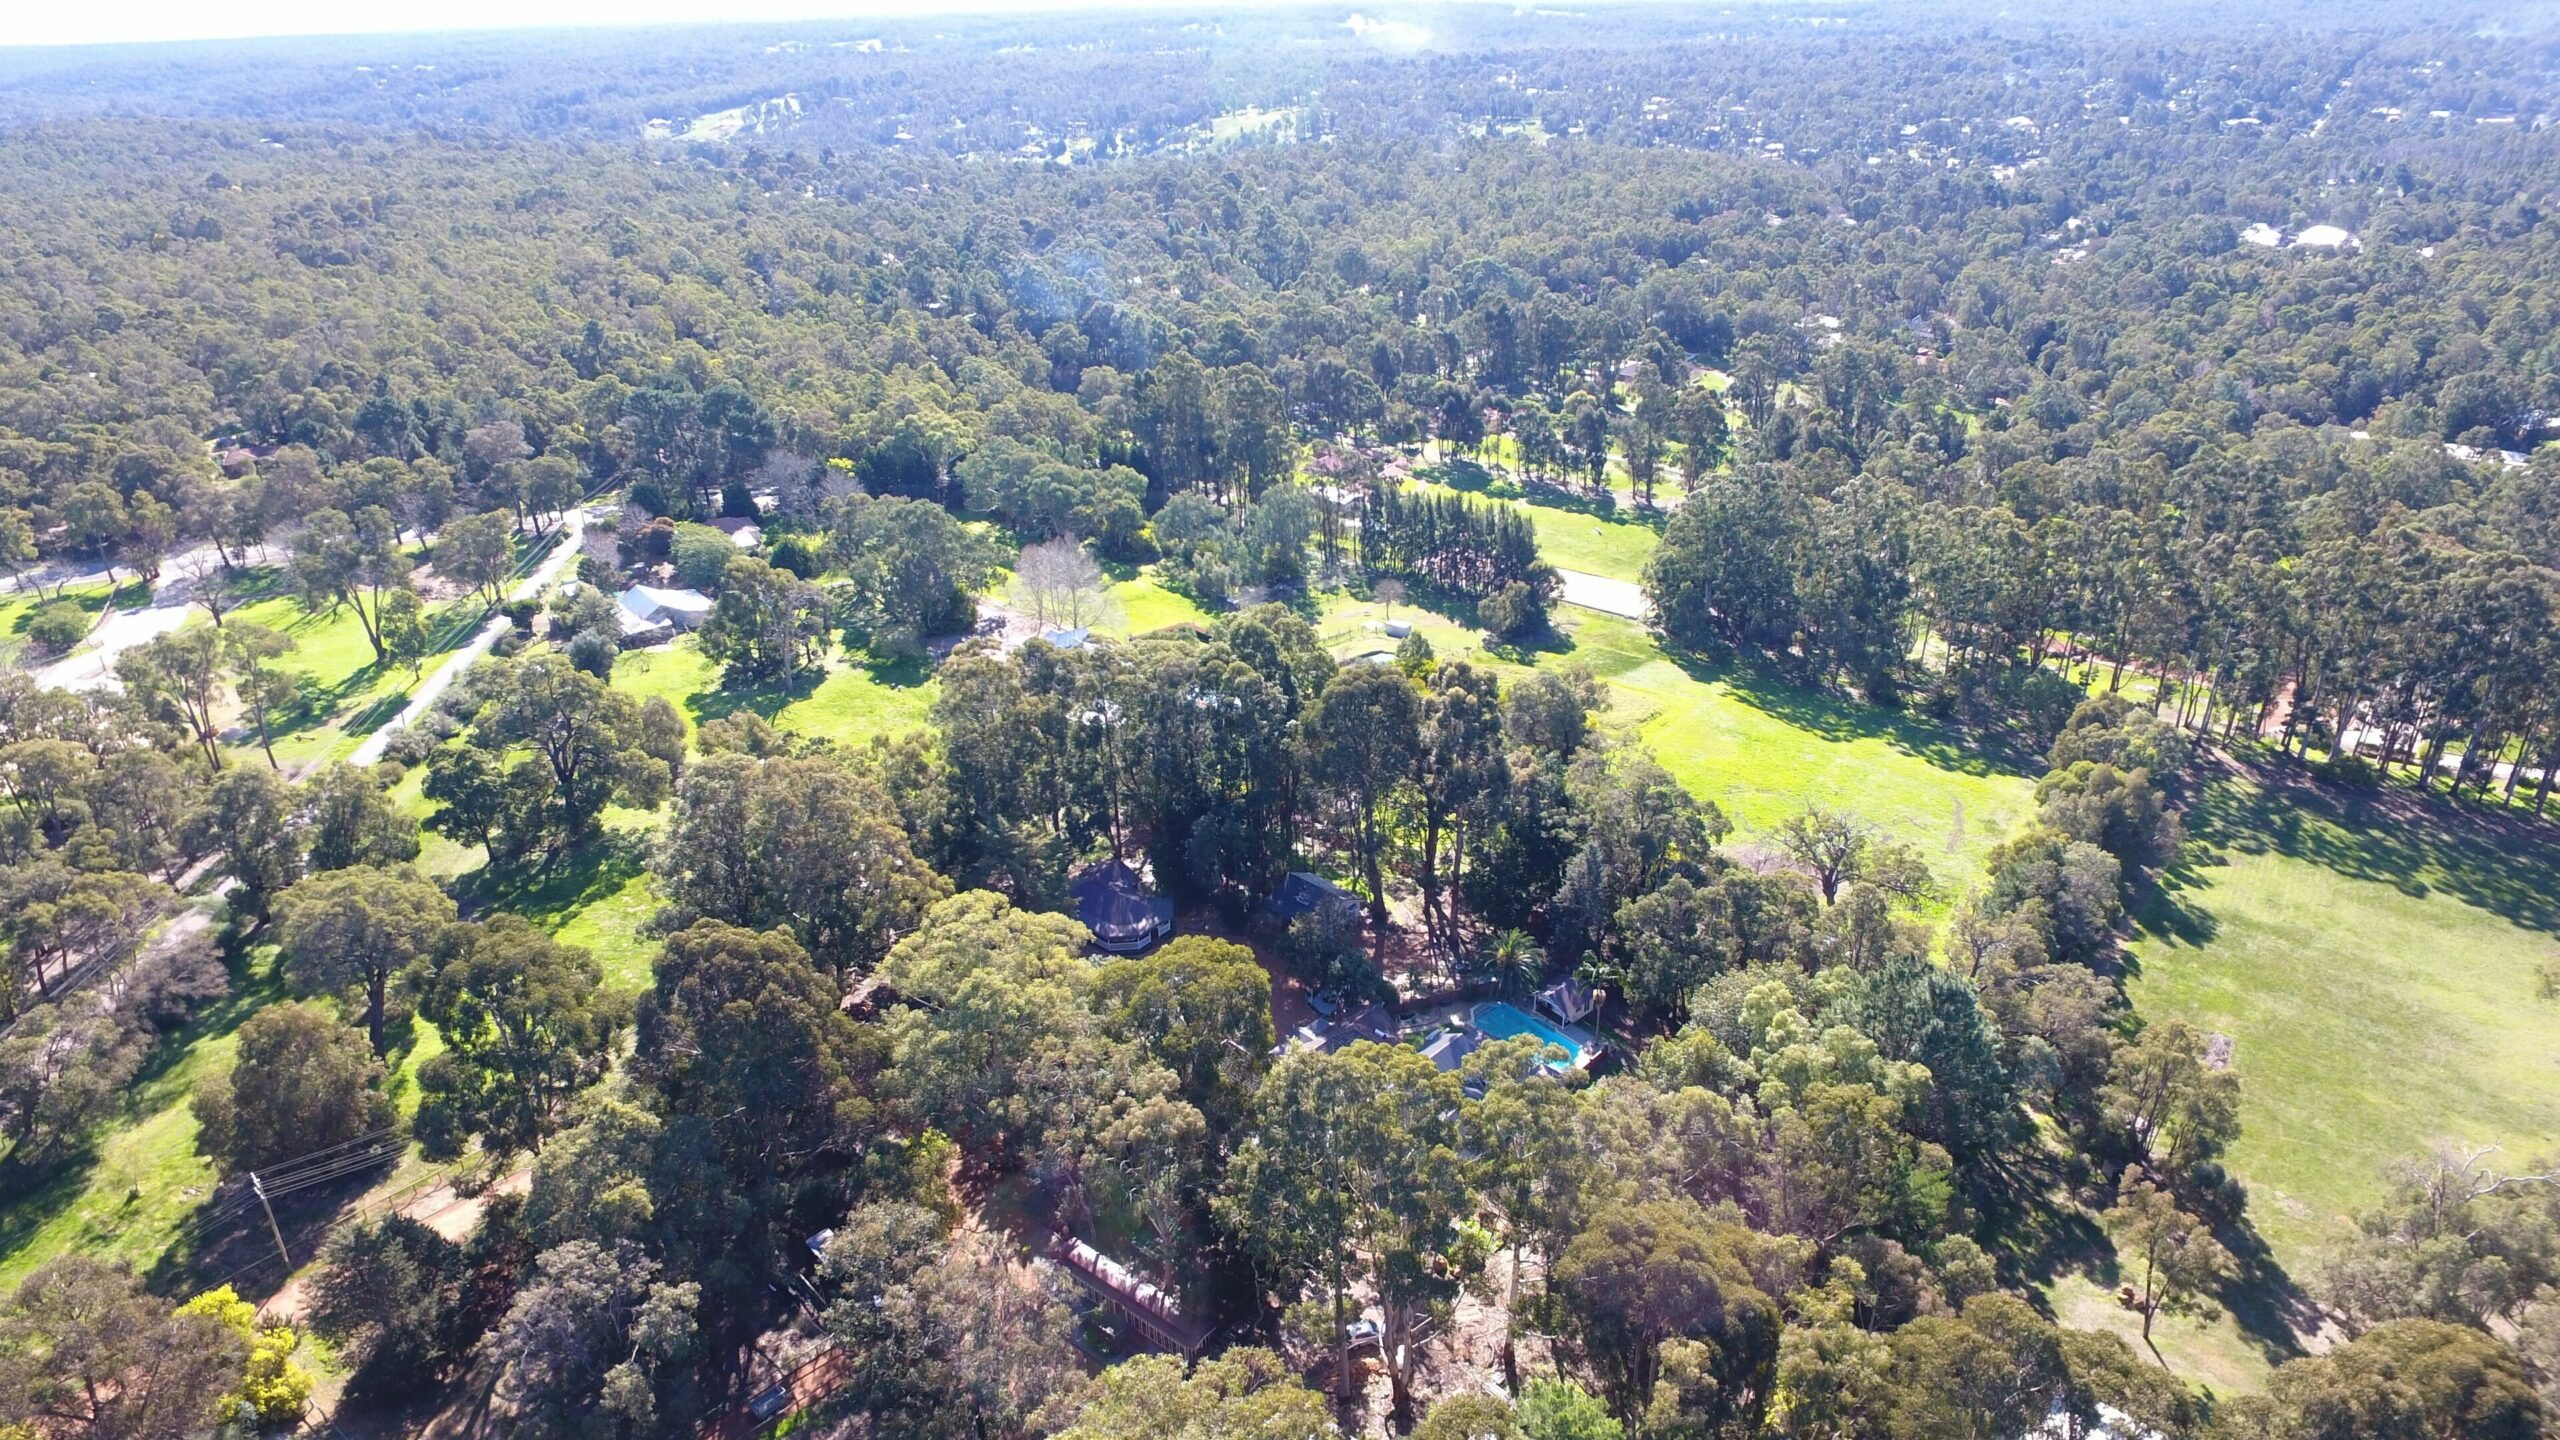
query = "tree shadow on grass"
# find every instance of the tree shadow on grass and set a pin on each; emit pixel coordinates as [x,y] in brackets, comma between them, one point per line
[33,1199]
[1836,717]
[2022,1201]
[770,699]
[550,890]
[2418,844]
[230,1242]
[2270,1309]
[92,600]
[2038,1207]
[900,674]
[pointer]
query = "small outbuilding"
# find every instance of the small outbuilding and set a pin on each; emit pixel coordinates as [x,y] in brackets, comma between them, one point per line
[1303,893]
[1569,1001]
[1449,1049]
[1113,901]
[648,612]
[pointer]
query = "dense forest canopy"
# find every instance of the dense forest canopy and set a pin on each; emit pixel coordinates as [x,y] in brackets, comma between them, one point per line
[709,600]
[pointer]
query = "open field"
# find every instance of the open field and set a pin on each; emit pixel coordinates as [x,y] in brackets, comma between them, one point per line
[1596,546]
[1763,750]
[850,704]
[1568,537]
[2374,958]
[1756,747]
[1146,604]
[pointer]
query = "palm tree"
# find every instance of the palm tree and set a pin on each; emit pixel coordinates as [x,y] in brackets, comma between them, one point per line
[1516,962]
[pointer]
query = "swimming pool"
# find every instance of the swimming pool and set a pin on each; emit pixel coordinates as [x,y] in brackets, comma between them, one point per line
[1500,1020]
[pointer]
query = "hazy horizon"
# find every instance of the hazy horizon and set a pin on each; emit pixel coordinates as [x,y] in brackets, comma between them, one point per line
[140,22]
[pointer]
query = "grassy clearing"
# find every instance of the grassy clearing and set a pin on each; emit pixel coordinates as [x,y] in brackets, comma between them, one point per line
[1569,537]
[1758,748]
[600,897]
[2373,957]
[1763,750]
[678,673]
[354,694]
[2213,1354]
[849,704]
[610,928]
[1617,549]
[1145,604]
[856,702]
[597,896]
[145,1181]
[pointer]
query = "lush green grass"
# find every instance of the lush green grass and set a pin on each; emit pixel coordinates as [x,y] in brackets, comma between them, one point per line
[1763,750]
[601,897]
[144,1184]
[1760,749]
[1570,538]
[1617,549]
[1146,605]
[145,1181]
[354,694]
[597,896]
[609,927]
[678,673]
[17,607]
[2373,957]
[856,702]
[850,703]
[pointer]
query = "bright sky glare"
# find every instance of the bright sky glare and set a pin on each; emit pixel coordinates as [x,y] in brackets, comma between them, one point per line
[54,22]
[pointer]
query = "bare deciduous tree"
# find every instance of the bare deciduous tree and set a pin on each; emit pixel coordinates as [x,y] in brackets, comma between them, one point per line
[1060,584]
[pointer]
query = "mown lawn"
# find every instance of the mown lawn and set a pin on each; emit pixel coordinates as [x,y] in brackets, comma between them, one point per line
[1570,540]
[849,704]
[353,694]
[856,702]
[2374,958]
[1145,605]
[1758,748]
[1763,750]
[1577,539]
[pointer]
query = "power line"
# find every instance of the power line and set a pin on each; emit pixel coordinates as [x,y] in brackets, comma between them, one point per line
[329,1162]
[284,1168]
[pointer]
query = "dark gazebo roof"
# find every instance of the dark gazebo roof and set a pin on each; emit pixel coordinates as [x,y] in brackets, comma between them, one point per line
[1115,904]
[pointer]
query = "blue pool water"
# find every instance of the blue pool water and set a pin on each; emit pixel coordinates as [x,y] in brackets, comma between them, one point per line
[1500,1020]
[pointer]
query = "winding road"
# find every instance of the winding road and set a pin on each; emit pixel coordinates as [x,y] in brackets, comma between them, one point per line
[459,663]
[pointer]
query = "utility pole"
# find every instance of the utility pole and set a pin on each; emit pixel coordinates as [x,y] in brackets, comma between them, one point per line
[259,1186]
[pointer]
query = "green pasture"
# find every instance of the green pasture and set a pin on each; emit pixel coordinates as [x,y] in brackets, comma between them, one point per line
[351,694]
[2374,958]
[1569,537]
